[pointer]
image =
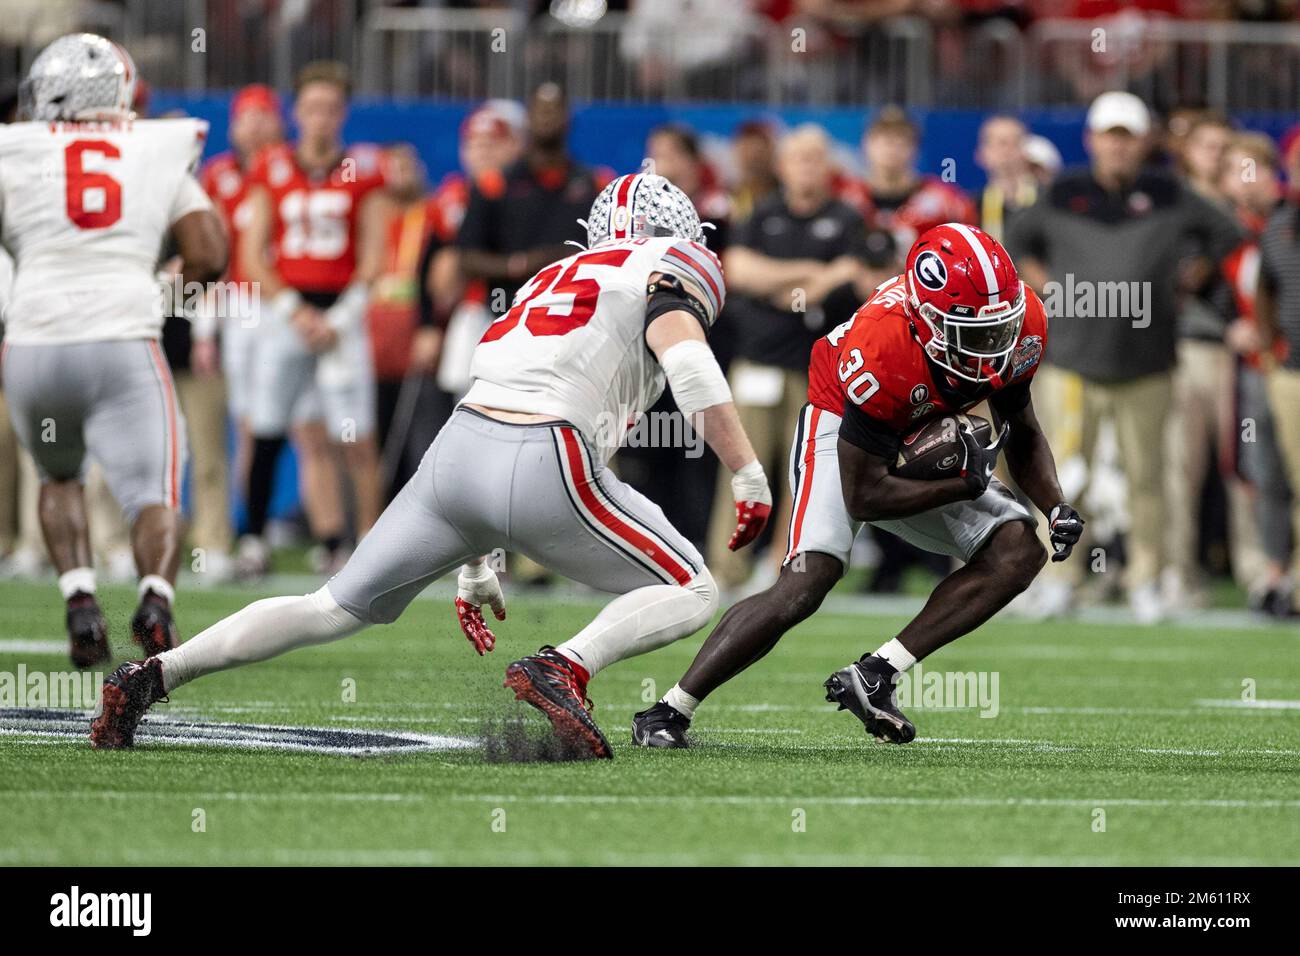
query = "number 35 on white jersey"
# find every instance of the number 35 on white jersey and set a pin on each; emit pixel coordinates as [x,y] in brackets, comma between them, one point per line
[573,344]
[84,210]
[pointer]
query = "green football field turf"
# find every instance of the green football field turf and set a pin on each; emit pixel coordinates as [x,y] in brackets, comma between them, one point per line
[1111,744]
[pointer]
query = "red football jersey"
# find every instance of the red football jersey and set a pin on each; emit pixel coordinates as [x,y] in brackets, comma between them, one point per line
[932,203]
[314,220]
[452,199]
[874,361]
[226,183]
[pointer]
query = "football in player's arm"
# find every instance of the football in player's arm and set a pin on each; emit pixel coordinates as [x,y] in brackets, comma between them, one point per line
[873,493]
[958,327]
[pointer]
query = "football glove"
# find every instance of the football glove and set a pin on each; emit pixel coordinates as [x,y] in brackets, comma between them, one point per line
[1066,527]
[753,504]
[980,460]
[477,585]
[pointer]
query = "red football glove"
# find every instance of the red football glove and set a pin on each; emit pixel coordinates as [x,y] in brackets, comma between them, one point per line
[753,504]
[478,585]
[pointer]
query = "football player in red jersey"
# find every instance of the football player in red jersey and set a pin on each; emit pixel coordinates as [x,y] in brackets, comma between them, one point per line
[313,242]
[255,123]
[956,328]
[894,195]
[491,139]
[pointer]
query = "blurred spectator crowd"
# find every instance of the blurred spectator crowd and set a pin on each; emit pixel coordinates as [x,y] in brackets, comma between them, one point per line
[1172,409]
[978,53]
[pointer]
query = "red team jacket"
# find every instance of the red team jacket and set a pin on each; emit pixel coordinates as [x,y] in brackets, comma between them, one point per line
[225,182]
[931,203]
[314,232]
[873,361]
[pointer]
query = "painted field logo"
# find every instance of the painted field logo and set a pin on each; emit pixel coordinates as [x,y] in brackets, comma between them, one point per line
[75,690]
[950,690]
[74,908]
[73,725]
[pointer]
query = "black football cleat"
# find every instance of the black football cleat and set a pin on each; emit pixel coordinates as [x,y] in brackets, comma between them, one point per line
[87,631]
[869,696]
[127,693]
[153,627]
[660,726]
[548,681]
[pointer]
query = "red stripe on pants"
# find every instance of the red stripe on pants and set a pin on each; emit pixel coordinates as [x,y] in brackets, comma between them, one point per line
[620,528]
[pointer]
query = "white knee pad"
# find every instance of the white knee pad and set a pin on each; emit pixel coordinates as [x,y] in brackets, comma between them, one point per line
[335,620]
[703,586]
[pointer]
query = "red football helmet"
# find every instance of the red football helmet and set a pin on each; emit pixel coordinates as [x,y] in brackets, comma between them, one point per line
[964,289]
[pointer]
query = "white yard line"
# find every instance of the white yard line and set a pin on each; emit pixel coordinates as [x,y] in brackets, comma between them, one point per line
[22,645]
[793,800]
[1236,704]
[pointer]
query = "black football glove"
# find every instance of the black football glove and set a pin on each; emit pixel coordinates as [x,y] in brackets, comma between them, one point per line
[1066,528]
[980,461]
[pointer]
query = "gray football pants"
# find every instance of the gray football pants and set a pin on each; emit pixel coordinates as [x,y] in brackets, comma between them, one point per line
[533,489]
[113,400]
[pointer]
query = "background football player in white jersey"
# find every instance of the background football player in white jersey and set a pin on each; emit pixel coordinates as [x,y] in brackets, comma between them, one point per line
[585,349]
[87,194]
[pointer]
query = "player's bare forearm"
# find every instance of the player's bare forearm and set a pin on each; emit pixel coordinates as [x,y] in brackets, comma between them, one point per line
[720,428]
[204,252]
[1032,466]
[444,282]
[718,424]
[1029,459]
[517,266]
[254,243]
[481,264]
[871,493]
[371,228]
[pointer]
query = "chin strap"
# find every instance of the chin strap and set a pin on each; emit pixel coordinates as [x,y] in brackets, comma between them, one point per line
[994,377]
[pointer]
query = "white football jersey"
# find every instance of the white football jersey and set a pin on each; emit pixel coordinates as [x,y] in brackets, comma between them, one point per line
[573,343]
[84,210]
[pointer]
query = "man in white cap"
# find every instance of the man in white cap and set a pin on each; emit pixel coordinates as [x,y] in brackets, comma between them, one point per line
[1111,248]
[1043,158]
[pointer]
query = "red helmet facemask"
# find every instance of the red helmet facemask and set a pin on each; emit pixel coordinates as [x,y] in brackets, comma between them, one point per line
[968,298]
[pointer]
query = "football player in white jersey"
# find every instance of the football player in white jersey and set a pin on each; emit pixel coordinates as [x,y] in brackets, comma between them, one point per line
[87,195]
[586,348]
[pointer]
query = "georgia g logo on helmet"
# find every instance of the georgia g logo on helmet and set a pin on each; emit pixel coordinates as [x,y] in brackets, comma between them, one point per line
[930,271]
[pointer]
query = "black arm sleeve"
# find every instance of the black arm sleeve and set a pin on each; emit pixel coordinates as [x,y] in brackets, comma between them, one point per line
[666,294]
[870,434]
[1007,402]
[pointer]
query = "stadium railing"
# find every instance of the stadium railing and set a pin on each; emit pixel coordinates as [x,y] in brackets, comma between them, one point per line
[459,55]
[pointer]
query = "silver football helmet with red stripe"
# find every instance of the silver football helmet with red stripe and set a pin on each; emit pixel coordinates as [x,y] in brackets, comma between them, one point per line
[641,206]
[964,289]
[80,76]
